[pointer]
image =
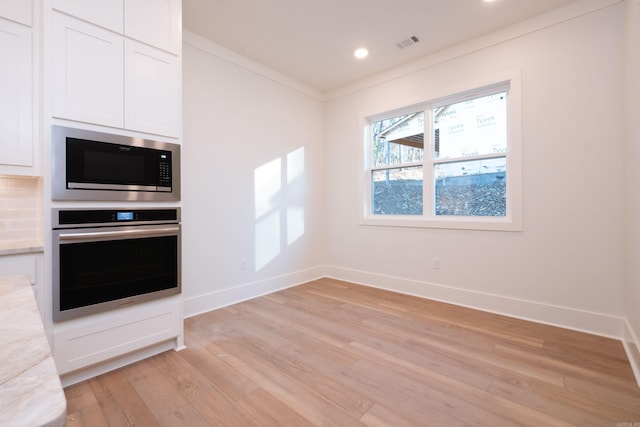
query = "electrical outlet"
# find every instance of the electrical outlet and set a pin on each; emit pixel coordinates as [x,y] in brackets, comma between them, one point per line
[243,264]
[436,263]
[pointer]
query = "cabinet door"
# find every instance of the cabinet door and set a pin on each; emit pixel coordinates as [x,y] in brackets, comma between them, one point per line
[155,22]
[29,264]
[88,79]
[152,90]
[105,13]
[16,99]
[17,10]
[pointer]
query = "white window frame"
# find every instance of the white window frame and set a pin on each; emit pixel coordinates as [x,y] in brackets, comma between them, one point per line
[512,221]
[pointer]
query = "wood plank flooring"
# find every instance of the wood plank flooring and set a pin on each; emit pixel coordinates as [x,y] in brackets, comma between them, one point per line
[331,353]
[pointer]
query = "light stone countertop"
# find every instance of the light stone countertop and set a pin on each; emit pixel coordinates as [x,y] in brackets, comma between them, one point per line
[21,247]
[30,390]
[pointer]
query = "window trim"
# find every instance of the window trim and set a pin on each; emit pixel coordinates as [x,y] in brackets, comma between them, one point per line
[509,81]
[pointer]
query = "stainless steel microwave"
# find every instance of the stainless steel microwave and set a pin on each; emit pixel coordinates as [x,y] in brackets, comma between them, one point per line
[98,166]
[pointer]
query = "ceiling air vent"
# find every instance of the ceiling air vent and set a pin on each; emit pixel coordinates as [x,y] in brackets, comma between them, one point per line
[407,42]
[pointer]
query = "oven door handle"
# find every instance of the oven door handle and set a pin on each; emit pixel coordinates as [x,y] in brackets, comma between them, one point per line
[121,233]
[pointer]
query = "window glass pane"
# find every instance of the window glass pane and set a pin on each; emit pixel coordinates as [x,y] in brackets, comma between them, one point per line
[471,128]
[471,188]
[397,191]
[398,140]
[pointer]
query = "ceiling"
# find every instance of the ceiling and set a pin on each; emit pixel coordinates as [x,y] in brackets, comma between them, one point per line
[313,41]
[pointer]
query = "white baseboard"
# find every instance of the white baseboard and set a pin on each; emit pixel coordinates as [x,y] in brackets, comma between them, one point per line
[632,347]
[565,317]
[225,297]
[579,320]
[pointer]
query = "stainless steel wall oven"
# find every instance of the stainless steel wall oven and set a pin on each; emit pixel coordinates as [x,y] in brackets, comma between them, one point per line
[108,258]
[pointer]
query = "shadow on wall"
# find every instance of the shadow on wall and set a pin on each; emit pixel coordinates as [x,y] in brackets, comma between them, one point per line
[279,207]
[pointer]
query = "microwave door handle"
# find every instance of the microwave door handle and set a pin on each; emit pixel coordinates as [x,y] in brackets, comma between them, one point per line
[120,233]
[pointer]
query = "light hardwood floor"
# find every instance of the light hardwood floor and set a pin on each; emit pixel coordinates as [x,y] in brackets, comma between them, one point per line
[336,354]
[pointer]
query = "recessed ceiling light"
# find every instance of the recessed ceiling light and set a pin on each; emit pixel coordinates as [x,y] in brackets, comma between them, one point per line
[361,53]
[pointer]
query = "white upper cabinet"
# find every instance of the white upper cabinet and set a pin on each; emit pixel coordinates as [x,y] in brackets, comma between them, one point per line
[16,99]
[155,22]
[152,90]
[88,77]
[17,10]
[125,76]
[105,13]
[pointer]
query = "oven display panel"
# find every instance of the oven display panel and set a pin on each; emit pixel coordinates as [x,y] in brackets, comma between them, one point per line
[124,216]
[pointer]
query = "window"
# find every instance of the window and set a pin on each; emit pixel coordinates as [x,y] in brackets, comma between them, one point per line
[397,172]
[453,162]
[470,157]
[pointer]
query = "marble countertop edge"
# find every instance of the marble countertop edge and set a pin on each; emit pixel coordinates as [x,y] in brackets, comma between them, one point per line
[30,386]
[19,247]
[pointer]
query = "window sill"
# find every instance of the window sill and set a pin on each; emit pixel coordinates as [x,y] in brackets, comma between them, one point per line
[449,222]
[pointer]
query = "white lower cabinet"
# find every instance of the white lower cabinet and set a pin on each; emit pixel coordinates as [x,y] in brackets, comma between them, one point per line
[95,340]
[29,264]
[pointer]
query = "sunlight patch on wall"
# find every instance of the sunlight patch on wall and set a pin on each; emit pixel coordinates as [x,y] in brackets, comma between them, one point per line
[295,165]
[279,206]
[295,223]
[267,184]
[295,188]
[267,240]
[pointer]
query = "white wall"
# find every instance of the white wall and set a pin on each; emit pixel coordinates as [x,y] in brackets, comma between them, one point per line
[250,126]
[632,138]
[252,180]
[566,266]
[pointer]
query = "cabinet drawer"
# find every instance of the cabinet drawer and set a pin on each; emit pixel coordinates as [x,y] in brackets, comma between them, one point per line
[82,343]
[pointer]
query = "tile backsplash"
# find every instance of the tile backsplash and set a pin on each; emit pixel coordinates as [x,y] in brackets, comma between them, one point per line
[20,209]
